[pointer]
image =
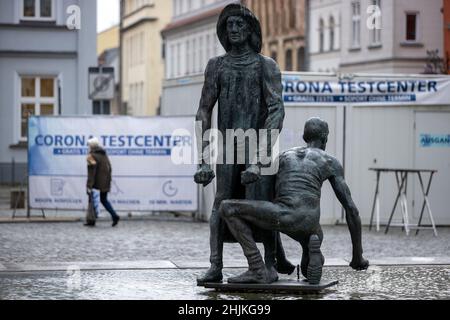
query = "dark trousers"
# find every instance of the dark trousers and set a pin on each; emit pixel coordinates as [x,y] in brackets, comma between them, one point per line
[107,205]
[229,187]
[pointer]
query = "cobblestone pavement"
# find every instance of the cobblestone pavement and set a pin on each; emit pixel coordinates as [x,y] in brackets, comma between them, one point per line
[183,240]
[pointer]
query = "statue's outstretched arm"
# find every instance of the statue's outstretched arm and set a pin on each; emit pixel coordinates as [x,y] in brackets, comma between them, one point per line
[343,194]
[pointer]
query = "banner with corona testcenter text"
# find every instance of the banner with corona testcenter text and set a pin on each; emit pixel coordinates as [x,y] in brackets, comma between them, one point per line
[366,90]
[145,177]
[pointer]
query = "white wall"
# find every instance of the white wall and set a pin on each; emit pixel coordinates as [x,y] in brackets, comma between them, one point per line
[181,96]
[385,137]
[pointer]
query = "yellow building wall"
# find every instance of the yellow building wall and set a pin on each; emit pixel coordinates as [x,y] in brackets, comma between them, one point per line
[150,69]
[107,39]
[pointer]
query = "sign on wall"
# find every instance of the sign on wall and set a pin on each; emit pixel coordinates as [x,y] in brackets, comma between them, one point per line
[140,149]
[101,83]
[360,90]
[435,140]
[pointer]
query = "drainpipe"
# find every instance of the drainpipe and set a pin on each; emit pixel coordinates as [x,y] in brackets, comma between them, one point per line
[122,110]
[306,36]
[59,98]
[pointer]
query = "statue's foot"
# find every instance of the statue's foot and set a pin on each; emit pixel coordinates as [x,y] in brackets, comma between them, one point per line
[285,267]
[259,276]
[305,263]
[214,274]
[316,260]
[272,274]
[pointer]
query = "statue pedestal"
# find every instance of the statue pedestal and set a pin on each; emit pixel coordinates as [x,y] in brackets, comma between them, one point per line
[281,286]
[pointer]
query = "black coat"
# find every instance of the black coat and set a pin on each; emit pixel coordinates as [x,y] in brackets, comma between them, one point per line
[99,170]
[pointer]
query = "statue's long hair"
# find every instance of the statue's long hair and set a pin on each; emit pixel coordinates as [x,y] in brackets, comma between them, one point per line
[255,26]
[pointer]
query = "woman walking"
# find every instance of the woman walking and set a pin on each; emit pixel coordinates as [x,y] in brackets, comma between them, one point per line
[99,177]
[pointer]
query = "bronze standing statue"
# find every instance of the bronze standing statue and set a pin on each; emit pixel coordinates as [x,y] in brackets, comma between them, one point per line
[247,87]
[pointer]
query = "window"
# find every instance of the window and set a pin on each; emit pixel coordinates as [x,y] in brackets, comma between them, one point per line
[101,107]
[411,27]
[172,61]
[375,37]
[288,63]
[321,35]
[208,48]
[136,99]
[218,47]
[183,60]
[131,103]
[195,56]
[130,51]
[38,96]
[188,57]
[293,14]
[178,59]
[141,98]
[192,59]
[136,49]
[301,59]
[332,26]
[356,24]
[274,55]
[128,7]
[141,47]
[38,10]
[183,6]
[178,7]
[201,54]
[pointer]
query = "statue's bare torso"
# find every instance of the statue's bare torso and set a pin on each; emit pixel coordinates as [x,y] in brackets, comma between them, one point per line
[301,174]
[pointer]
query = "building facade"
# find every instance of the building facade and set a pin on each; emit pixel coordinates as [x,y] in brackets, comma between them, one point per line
[142,63]
[191,35]
[190,39]
[325,35]
[43,69]
[108,39]
[108,56]
[408,28]
[283,29]
[374,36]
